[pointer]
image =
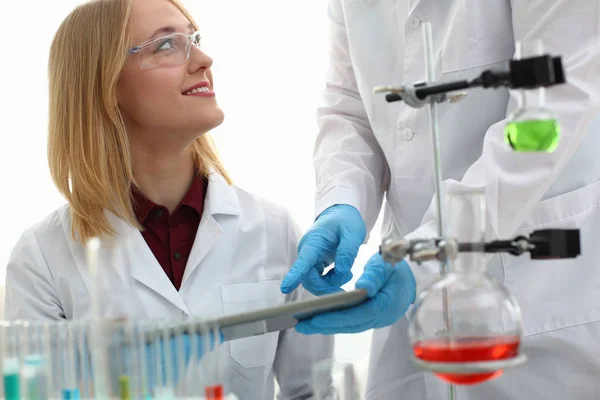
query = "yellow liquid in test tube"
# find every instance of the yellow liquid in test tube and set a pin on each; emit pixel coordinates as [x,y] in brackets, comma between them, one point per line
[124,388]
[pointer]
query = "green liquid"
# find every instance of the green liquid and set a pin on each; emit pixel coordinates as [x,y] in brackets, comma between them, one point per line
[542,135]
[12,387]
[124,389]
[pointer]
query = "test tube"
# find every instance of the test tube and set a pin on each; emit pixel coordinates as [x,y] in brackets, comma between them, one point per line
[34,362]
[112,280]
[179,360]
[193,368]
[70,391]
[219,364]
[11,361]
[127,376]
[96,334]
[152,356]
[206,363]
[214,389]
[99,344]
[49,343]
[116,358]
[24,348]
[142,372]
[166,362]
[92,250]
[84,370]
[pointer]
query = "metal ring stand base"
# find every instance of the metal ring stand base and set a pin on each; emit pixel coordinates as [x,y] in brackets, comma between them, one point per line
[459,368]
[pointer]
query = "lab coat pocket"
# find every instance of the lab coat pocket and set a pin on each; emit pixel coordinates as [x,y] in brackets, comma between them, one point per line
[556,294]
[260,350]
[472,38]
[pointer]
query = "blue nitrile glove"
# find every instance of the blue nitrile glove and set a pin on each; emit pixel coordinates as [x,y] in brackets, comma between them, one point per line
[336,236]
[391,290]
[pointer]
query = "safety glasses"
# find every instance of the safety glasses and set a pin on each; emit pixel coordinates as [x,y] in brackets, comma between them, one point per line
[167,51]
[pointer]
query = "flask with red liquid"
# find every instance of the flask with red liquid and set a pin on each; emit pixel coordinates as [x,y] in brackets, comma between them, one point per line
[466,327]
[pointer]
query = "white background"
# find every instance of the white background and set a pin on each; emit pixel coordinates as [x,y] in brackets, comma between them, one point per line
[270,60]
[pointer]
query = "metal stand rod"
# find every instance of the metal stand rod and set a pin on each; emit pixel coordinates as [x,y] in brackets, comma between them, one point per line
[437,165]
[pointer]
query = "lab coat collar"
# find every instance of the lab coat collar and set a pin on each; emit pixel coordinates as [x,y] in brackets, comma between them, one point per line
[221,199]
[142,264]
[220,196]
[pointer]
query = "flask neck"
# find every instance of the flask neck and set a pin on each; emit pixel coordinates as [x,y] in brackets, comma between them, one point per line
[532,99]
[469,264]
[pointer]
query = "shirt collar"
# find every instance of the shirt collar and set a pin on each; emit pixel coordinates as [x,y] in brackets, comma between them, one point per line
[194,198]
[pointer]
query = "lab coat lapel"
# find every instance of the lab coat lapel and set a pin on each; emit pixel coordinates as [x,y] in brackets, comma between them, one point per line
[412,4]
[221,200]
[144,267]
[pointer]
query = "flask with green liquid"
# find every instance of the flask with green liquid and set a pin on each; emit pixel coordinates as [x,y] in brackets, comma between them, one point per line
[532,127]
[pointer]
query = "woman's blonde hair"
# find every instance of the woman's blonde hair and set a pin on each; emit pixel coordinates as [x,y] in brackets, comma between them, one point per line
[88,147]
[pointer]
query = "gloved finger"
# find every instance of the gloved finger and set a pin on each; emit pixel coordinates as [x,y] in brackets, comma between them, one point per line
[346,254]
[309,257]
[317,285]
[375,275]
[335,278]
[385,308]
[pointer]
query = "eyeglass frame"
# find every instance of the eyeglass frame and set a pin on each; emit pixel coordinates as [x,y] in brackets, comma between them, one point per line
[138,48]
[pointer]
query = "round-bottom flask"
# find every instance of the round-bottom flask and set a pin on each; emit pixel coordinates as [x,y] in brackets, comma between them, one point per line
[532,127]
[482,328]
[465,327]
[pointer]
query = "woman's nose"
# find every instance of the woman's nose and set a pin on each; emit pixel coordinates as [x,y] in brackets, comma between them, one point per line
[199,59]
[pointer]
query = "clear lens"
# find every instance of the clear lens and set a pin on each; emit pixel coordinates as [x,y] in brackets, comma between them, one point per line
[165,52]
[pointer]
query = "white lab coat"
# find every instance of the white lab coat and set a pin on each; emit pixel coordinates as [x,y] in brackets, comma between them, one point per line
[368,148]
[243,248]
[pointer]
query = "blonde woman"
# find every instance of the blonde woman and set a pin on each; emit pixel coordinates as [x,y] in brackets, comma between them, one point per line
[132,98]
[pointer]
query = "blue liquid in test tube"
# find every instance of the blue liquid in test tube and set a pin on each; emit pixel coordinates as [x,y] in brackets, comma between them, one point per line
[12,385]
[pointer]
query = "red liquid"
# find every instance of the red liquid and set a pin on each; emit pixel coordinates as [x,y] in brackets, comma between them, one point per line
[214,392]
[468,349]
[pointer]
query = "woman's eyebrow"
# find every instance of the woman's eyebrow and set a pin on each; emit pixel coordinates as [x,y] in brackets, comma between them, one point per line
[169,29]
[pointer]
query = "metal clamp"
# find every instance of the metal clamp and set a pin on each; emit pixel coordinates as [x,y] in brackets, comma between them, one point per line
[419,250]
[409,94]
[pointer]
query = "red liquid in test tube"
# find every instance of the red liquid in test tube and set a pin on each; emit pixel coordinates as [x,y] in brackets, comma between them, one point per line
[214,392]
[468,349]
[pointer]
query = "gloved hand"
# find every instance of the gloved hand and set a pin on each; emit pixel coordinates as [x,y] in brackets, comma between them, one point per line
[336,236]
[391,290]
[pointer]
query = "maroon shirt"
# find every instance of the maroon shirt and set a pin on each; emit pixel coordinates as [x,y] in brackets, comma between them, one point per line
[171,237]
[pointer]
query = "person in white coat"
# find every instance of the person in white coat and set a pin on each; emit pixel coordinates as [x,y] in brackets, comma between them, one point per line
[131,102]
[368,150]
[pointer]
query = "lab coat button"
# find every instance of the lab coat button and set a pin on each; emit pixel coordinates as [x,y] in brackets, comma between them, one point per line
[407,134]
[177,256]
[415,23]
